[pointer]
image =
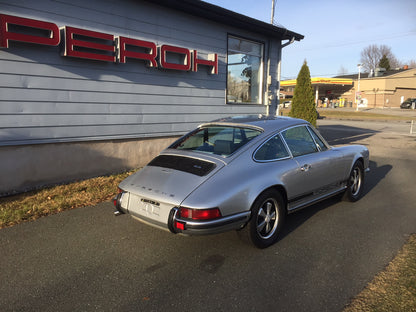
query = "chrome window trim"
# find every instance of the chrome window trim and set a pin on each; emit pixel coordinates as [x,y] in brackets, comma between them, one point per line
[312,131]
[231,125]
[287,146]
[275,159]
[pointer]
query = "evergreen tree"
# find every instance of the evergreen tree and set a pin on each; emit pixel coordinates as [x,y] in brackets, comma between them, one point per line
[303,102]
[384,62]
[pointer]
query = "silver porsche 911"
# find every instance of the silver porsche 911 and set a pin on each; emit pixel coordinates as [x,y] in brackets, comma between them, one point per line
[241,173]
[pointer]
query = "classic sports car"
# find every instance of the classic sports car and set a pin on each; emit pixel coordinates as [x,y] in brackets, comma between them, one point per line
[241,173]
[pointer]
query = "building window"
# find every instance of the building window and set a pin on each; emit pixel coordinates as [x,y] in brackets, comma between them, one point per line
[244,71]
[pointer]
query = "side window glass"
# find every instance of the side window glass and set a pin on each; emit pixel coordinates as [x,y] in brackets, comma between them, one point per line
[272,150]
[300,141]
[318,140]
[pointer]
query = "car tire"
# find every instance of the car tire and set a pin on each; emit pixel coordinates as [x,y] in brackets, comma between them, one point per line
[355,184]
[267,217]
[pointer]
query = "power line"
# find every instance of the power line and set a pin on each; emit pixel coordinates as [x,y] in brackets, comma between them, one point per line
[343,44]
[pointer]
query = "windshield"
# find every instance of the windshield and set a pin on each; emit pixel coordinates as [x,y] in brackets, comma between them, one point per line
[219,140]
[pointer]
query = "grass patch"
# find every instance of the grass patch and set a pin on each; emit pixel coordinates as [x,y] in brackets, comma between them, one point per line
[33,205]
[352,115]
[393,289]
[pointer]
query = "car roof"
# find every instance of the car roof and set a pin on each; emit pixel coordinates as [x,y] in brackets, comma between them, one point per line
[266,123]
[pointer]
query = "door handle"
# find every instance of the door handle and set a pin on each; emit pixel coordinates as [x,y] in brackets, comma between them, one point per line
[305,167]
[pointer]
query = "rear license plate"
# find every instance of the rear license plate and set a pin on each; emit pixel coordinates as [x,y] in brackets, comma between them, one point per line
[148,207]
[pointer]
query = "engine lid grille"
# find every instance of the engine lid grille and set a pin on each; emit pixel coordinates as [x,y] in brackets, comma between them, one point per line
[186,164]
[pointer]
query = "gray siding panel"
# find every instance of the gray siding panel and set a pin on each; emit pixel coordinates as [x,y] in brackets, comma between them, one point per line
[46,97]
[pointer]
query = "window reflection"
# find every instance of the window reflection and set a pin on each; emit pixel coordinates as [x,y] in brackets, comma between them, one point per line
[245,69]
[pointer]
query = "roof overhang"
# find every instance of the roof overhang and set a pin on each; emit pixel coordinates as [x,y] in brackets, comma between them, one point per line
[212,12]
[320,81]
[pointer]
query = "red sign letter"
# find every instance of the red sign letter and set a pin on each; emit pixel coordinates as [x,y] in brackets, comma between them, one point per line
[176,50]
[123,53]
[6,34]
[72,45]
[213,64]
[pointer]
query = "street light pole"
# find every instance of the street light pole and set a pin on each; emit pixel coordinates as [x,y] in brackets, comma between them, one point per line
[358,86]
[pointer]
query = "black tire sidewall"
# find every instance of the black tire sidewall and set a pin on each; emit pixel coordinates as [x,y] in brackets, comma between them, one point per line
[255,238]
[349,196]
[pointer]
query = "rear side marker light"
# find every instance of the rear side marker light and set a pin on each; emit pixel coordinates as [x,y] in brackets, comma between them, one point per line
[180,225]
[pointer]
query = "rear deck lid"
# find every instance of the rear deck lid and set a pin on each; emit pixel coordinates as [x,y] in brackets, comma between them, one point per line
[170,178]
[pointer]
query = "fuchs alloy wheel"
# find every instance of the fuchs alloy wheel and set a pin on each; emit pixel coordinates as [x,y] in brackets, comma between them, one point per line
[355,183]
[267,217]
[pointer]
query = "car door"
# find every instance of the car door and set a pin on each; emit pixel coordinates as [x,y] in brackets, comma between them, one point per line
[319,167]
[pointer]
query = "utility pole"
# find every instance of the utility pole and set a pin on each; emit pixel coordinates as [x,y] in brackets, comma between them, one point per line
[278,63]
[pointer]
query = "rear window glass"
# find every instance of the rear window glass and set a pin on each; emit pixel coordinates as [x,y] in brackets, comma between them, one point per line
[219,140]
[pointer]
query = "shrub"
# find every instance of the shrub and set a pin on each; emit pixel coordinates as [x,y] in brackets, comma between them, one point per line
[303,102]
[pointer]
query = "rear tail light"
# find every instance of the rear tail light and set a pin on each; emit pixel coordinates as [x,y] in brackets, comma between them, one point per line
[117,197]
[199,214]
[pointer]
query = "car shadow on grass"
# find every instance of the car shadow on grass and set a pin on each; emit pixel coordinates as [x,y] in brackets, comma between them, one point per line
[296,219]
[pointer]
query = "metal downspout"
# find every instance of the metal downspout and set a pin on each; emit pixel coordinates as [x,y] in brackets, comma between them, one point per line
[279,72]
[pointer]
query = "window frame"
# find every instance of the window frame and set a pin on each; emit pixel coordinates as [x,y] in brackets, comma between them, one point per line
[206,139]
[274,159]
[316,133]
[311,132]
[261,71]
[317,150]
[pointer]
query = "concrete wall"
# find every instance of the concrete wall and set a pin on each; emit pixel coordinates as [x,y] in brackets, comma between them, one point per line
[31,166]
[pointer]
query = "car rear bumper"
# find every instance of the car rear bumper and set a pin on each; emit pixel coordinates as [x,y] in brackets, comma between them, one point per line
[192,227]
[176,224]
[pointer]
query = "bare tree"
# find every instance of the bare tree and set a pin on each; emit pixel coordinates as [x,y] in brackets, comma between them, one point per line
[371,56]
[342,71]
[411,64]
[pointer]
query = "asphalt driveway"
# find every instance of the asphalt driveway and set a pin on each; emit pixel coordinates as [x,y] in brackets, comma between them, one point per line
[88,260]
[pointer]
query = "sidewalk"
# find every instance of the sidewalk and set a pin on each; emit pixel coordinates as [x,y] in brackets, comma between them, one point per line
[411,113]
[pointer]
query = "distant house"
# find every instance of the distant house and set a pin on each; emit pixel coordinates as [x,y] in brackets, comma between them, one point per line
[383,88]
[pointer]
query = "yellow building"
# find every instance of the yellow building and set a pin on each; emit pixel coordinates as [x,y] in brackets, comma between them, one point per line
[326,89]
[381,89]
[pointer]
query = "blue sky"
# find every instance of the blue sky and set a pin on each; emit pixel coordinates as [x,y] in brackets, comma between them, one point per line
[336,31]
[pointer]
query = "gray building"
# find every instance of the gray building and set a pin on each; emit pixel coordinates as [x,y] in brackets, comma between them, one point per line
[94,87]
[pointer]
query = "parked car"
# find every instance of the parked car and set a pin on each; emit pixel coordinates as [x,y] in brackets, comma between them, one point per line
[244,174]
[285,104]
[409,103]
